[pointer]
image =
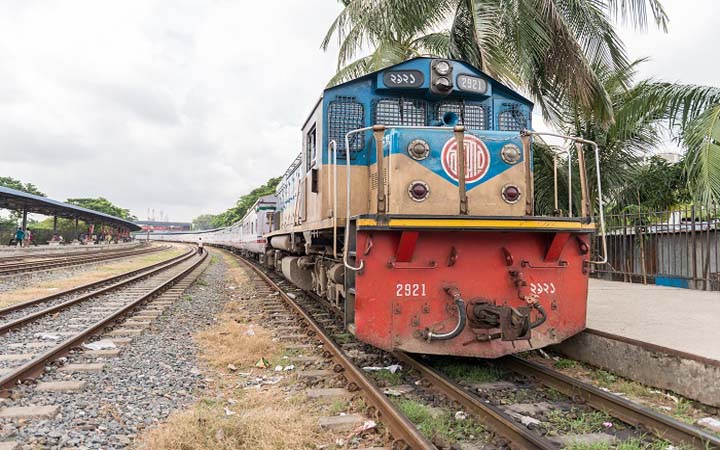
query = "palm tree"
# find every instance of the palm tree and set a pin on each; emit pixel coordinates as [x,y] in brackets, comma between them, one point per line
[645,112]
[547,47]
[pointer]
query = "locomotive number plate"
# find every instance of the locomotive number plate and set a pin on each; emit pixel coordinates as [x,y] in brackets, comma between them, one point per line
[403,78]
[410,290]
[472,84]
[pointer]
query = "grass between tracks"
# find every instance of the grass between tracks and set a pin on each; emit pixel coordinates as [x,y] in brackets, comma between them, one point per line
[231,415]
[101,270]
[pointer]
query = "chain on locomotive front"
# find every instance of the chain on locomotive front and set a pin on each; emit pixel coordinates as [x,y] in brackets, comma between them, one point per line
[410,208]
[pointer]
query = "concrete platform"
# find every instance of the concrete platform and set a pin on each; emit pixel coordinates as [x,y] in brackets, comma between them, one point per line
[661,336]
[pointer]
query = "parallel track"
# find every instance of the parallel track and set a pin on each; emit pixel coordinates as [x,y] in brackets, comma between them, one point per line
[66,261]
[36,365]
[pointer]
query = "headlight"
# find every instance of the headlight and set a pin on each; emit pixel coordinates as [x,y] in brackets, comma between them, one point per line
[511,153]
[418,190]
[418,149]
[443,67]
[443,84]
[511,193]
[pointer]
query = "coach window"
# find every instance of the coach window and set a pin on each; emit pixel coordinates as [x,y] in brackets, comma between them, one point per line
[311,148]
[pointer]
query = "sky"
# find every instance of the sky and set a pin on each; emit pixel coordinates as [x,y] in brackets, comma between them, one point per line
[182,106]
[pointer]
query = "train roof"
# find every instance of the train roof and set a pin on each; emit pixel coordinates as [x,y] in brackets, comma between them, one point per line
[410,62]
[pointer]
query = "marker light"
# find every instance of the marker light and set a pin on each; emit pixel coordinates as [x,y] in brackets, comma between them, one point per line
[418,191]
[511,193]
[510,153]
[442,67]
[443,84]
[418,149]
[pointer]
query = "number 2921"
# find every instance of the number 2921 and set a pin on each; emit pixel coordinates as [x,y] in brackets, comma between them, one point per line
[410,290]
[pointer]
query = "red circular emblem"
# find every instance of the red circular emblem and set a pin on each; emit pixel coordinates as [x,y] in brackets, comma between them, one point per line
[477,158]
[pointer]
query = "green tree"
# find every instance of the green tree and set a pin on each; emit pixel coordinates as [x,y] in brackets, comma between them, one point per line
[203,222]
[547,47]
[237,212]
[645,112]
[102,205]
[18,185]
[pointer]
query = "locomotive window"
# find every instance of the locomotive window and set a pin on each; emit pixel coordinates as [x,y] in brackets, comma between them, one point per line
[344,115]
[473,116]
[400,111]
[511,118]
[310,148]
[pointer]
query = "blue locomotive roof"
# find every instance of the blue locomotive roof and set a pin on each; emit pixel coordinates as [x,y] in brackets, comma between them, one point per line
[422,64]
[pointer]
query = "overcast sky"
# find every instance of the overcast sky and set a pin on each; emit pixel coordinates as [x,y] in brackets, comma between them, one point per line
[182,106]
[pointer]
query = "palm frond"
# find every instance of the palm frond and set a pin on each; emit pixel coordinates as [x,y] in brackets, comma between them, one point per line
[702,160]
[635,12]
[355,69]
[433,44]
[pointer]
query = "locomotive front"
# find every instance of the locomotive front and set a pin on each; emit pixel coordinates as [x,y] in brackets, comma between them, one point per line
[450,258]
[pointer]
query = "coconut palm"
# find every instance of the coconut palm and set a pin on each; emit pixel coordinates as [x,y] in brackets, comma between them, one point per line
[645,113]
[546,47]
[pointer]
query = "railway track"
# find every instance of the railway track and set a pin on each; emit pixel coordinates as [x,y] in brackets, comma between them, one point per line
[66,261]
[46,332]
[640,421]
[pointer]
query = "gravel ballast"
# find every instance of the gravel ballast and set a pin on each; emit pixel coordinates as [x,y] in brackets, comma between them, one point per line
[155,374]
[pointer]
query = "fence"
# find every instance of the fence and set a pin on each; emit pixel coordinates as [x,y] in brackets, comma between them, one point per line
[677,248]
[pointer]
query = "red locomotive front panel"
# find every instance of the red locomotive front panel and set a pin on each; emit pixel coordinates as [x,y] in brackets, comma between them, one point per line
[471,293]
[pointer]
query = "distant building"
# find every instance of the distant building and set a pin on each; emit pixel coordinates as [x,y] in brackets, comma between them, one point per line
[153,225]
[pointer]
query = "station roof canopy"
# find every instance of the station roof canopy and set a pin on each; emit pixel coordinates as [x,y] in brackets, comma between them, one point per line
[20,201]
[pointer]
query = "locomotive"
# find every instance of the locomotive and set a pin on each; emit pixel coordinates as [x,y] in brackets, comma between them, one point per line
[410,209]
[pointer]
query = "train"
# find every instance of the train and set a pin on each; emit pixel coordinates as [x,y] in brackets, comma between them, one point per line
[410,209]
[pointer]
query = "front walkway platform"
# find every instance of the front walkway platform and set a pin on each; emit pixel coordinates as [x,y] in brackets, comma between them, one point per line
[660,336]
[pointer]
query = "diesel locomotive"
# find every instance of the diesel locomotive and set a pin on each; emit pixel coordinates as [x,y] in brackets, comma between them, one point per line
[410,209]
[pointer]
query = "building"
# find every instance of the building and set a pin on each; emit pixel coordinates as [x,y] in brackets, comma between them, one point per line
[154,225]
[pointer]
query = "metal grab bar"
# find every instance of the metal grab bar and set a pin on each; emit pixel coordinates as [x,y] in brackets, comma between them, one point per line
[347,175]
[601,205]
[333,144]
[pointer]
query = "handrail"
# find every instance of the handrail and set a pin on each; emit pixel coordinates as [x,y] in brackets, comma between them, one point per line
[601,206]
[333,144]
[347,175]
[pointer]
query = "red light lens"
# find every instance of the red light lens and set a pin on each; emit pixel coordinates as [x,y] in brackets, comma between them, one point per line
[418,191]
[511,193]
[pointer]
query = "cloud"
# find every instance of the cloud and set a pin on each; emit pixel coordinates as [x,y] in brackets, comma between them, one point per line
[183,106]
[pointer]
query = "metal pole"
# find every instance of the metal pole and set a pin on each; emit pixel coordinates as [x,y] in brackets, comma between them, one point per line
[460,142]
[379,132]
[693,237]
[54,224]
[24,221]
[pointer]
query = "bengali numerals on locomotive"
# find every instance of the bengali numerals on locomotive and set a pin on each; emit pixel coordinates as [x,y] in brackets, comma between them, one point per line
[542,288]
[403,78]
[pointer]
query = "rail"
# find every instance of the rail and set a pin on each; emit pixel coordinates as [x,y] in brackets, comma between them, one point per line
[36,365]
[399,425]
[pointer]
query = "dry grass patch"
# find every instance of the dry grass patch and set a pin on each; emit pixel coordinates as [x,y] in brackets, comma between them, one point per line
[260,420]
[104,270]
[235,343]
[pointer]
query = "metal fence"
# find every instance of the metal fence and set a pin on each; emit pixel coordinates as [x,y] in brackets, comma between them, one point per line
[677,248]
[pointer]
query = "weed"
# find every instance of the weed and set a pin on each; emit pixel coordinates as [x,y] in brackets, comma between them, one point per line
[343,338]
[564,363]
[201,282]
[390,378]
[337,407]
[604,378]
[630,444]
[470,371]
[555,395]
[438,422]
[576,421]
[187,298]
[683,411]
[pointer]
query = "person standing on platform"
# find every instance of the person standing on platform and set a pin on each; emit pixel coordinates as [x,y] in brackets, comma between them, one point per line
[201,248]
[19,237]
[28,238]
